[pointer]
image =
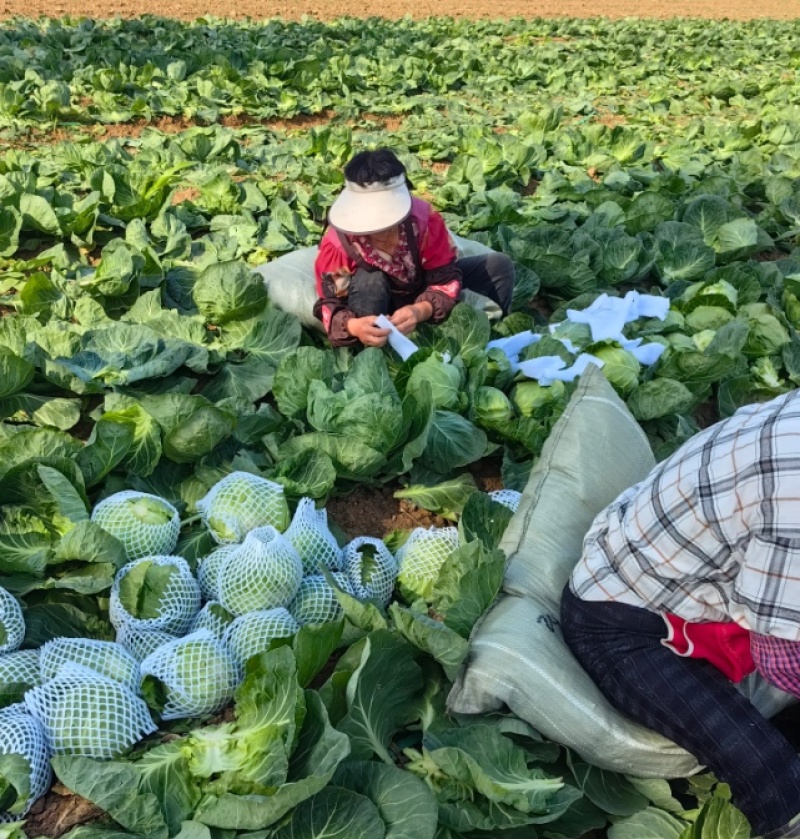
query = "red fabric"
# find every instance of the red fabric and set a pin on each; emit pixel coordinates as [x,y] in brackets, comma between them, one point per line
[436,250]
[725,645]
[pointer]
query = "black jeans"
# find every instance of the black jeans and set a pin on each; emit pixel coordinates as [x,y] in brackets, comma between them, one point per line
[491,275]
[687,700]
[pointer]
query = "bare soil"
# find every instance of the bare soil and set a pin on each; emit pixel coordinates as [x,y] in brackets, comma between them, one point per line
[392,9]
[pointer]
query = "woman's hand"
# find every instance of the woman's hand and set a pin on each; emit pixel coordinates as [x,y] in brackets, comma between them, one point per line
[365,330]
[407,318]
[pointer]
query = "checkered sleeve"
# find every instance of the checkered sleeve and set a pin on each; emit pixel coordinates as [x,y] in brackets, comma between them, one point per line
[778,661]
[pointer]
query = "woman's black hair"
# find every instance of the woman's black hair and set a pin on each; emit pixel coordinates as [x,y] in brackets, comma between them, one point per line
[380,165]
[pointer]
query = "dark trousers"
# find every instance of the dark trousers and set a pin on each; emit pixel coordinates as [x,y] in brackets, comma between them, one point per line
[687,700]
[491,275]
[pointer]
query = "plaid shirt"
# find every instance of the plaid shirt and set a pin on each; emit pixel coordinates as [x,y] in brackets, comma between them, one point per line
[713,532]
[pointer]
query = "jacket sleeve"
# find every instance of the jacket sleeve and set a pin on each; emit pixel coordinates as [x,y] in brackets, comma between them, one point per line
[441,273]
[329,308]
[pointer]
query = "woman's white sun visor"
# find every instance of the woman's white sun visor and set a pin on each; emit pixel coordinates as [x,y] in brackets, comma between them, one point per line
[372,207]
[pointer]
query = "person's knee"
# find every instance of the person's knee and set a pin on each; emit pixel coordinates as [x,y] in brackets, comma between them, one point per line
[503,275]
[369,293]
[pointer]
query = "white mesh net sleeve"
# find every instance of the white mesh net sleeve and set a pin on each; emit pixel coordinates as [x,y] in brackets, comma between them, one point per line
[315,601]
[141,642]
[214,617]
[370,568]
[507,497]
[12,623]
[423,554]
[194,675]
[310,537]
[104,657]
[241,502]
[208,571]
[145,524]
[263,573]
[84,713]
[22,734]
[251,634]
[163,591]
[20,667]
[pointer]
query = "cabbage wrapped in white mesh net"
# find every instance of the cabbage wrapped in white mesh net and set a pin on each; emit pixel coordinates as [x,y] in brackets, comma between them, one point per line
[12,623]
[315,601]
[421,557]
[189,677]
[208,571]
[310,537]
[241,502]
[23,735]
[263,573]
[252,633]
[105,657]
[507,497]
[145,524]
[20,667]
[155,592]
[84,713]
[370,568]
[214,617]
[140,642]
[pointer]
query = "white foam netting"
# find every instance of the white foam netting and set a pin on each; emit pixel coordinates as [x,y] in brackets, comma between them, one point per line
[86,714]
[141,642]
[20,667]
[252,633]
[310,536]
[423,554]
[145,524]
[197,674]
[263,573]
[208,571]
[22,734]
[370,568]
[170,607]
[241,502]
[11,621]
[315,601]
[507,497]
[104,657]
[214,617]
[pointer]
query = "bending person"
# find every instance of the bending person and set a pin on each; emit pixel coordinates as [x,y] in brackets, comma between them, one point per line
[388,253]
[702,559]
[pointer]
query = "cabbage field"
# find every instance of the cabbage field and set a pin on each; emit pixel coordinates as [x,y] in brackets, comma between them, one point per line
[169,645]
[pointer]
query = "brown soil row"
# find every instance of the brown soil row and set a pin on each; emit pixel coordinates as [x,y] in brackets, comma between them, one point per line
[330,9]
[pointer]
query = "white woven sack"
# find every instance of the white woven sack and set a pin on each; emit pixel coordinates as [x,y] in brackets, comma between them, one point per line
[315,601]
[252,633]
[292,286]
[86,714]
[310,537]
[11,621]
[208,571]
[421,557]
[125,516]
[214,617]
[141,642]
[197,674]
[507,497]
[180,601]
[104,657]
[518,657]
[263,573]
[371,569]
[20,667]
[22,734]
[241,502]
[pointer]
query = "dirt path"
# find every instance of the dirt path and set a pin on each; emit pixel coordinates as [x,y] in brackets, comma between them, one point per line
[326,9]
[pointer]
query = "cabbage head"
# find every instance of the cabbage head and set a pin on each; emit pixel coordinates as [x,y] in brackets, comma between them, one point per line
[620,367]
[315,601]
[420,559]
[145,524]
[492,408]
[767,336]
[445,378]
[529,398]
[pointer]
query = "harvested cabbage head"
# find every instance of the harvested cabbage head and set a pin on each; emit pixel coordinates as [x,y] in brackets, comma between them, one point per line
[370,568]
[421,557]
[252,633]
[145,524]
[12,623]
[241,502]
[315,601]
